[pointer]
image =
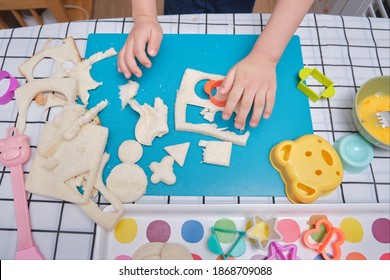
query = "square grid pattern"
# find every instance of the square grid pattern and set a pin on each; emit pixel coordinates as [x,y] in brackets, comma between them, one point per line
[348,50]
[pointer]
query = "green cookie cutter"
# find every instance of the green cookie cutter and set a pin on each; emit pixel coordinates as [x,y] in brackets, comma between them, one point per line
[321,78]
[237,249]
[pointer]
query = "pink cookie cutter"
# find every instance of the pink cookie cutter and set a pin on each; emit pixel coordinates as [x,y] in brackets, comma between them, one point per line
[10,92]
[14,152]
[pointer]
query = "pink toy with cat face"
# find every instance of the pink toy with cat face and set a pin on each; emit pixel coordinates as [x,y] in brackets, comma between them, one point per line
[14,152]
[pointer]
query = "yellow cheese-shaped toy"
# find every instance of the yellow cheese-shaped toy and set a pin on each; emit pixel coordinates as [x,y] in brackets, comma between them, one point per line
[309,166]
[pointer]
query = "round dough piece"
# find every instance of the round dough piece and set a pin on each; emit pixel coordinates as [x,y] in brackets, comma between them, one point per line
[130,151]
[149,251]
[162,251]
[175,252]
[128,181]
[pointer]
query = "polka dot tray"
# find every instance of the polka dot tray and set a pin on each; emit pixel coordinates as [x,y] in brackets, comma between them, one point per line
[310,232]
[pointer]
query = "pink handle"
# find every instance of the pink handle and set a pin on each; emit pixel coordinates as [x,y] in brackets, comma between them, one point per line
[14,152]
[25,239]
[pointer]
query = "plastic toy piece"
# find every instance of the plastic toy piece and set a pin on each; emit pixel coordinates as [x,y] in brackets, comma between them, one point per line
[321,78]
[209,87]
[237,249]
[355,152]
[280,252]
[10,92]
[329,237]
[309,166]
[14,152]
[263,231]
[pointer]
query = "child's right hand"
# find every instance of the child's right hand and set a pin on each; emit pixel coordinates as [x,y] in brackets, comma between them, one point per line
[146,30]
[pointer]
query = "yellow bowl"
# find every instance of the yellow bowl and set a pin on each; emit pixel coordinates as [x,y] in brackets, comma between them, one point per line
[372,88]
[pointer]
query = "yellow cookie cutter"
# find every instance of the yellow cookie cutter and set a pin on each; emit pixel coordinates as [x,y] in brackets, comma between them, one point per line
[321,78]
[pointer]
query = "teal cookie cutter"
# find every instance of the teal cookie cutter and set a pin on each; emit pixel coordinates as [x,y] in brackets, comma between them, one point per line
[237,249]
[304,73]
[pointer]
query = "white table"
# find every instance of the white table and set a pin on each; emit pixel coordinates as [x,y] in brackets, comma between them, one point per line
[348,50]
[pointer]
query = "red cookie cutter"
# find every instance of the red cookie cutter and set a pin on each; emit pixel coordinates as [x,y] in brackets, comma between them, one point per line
[321,246]
[209,87]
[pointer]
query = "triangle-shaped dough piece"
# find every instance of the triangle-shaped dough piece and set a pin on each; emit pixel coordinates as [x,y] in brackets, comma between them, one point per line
[178,152]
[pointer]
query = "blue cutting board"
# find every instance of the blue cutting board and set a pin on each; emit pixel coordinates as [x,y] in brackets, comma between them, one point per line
[250,172]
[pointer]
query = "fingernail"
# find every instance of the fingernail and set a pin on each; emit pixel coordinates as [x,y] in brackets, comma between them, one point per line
[238,125]
[127,75]
[119,70]
[221,89]
[253,124]
[266,116]
[152,52]
[225,116]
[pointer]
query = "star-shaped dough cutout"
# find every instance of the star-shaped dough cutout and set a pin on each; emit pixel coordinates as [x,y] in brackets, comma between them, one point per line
[263,231]
[163,171]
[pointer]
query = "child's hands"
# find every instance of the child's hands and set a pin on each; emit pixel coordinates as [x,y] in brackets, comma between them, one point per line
[146,30]
[251,82]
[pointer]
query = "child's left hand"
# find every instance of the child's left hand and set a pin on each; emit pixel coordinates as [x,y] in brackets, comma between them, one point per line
[251,82]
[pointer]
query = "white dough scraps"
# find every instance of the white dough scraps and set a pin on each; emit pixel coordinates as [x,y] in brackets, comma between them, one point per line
[128,92]
[153,121]
[163,171]
[216,152]
[186,95]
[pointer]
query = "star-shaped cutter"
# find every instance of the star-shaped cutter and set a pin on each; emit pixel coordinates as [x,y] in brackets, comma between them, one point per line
[280,252]
[267,230]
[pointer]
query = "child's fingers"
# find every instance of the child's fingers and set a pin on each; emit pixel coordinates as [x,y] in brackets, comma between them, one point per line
[245,107]
[122,67]
[139,52]
[154,43]
[234,97]
[227,82]
[270,102]
[129,59]
[258,107]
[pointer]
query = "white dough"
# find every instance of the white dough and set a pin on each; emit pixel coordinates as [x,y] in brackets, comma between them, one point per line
[186,96]
[163,171]
[175,252]
[153,121]
[162,251]
[178,152]
[128,181]
[149,251]
[128,92]
[130,151]
[216,152]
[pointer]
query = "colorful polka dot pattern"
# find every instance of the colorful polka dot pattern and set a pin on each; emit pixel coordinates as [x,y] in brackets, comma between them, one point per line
[193,231]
